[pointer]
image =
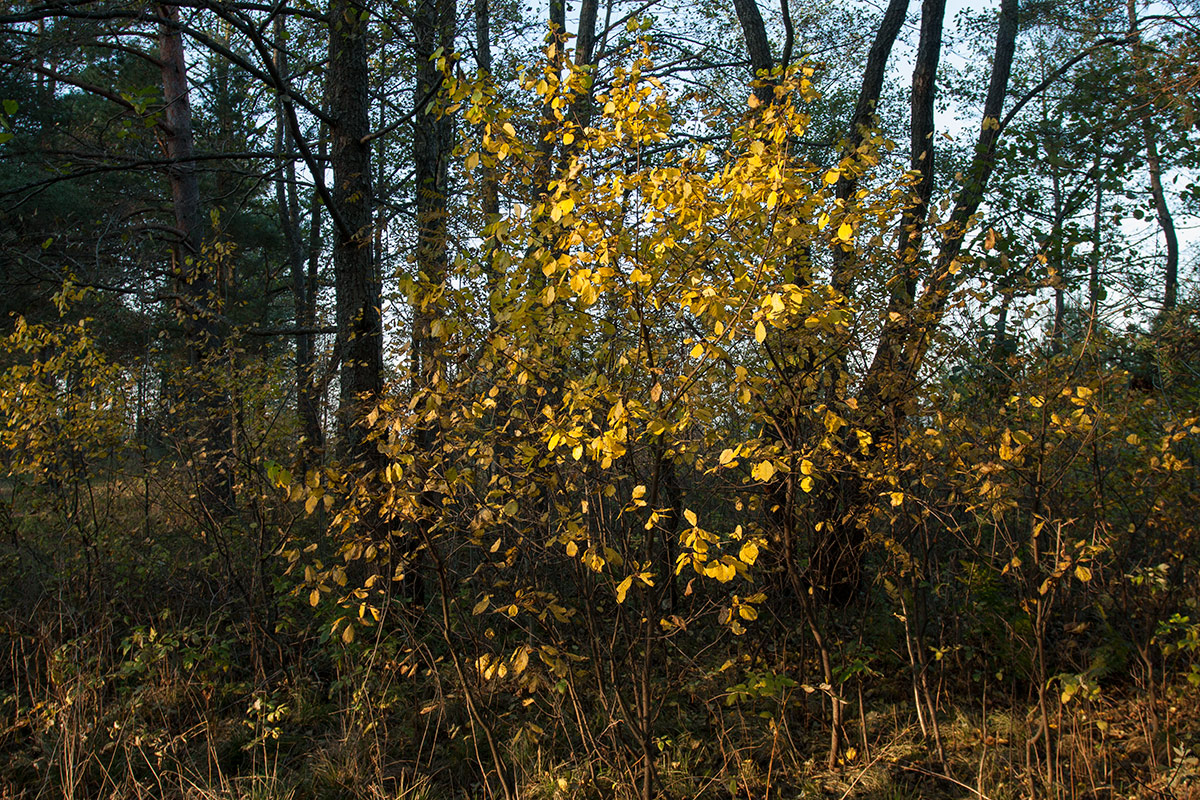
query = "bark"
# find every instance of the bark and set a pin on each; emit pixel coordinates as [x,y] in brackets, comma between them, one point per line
[1094,261]
[864,112]
[942,282]
[1154,165]
[883,369]
[359,321]
[585,45]
[890,381]
[924,91]
[433,141]
[490,182]
[197,304]
[585,40]
[287,199]
[758,46]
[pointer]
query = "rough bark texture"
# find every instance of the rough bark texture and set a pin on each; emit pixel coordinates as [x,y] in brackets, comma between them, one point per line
[197,302]
[872,85]
[359,321]
[433,139]
[941,281]
[1154,166]
[891,379]
[881,375]
[287,198]
[758,46]
[490,182]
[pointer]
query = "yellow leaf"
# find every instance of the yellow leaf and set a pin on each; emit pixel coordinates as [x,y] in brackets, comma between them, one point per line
[639,492]
[897,498]
[831,177]
[720,570]
[753,101]
[806,484]
[760,332]
[690,516]
[656,393]
[314,597]
[726,457]
[748,612]
[1083,573]
[763,471]
[697,351]
[806,467]
[310,505]
[510,130]
[348,633]
[472,161]
[748,554]
[1006,452]
[845,232]
[623,587]
[520,661]
[481,606]
[822,221]
[572,549]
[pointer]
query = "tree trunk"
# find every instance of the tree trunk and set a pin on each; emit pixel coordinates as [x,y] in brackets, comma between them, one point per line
[197,303]
[359,319]
[883,374]
[864,111]
[1154,165]
[490,183]
[433,141]
[941,281]
[286,197]
[758,46]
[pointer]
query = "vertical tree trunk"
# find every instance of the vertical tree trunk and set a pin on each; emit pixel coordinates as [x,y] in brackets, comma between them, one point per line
[884,379]
[287,199]
[359,318]
[864,110]
[941,281]
[758,46]
[1154,164]
[1094,265]
[197,304]
[433,140]
[490,184]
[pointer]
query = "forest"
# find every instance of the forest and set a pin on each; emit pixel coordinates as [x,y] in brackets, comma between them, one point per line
[422,399]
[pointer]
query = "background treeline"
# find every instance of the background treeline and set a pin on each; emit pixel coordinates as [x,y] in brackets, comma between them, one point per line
[432,399]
